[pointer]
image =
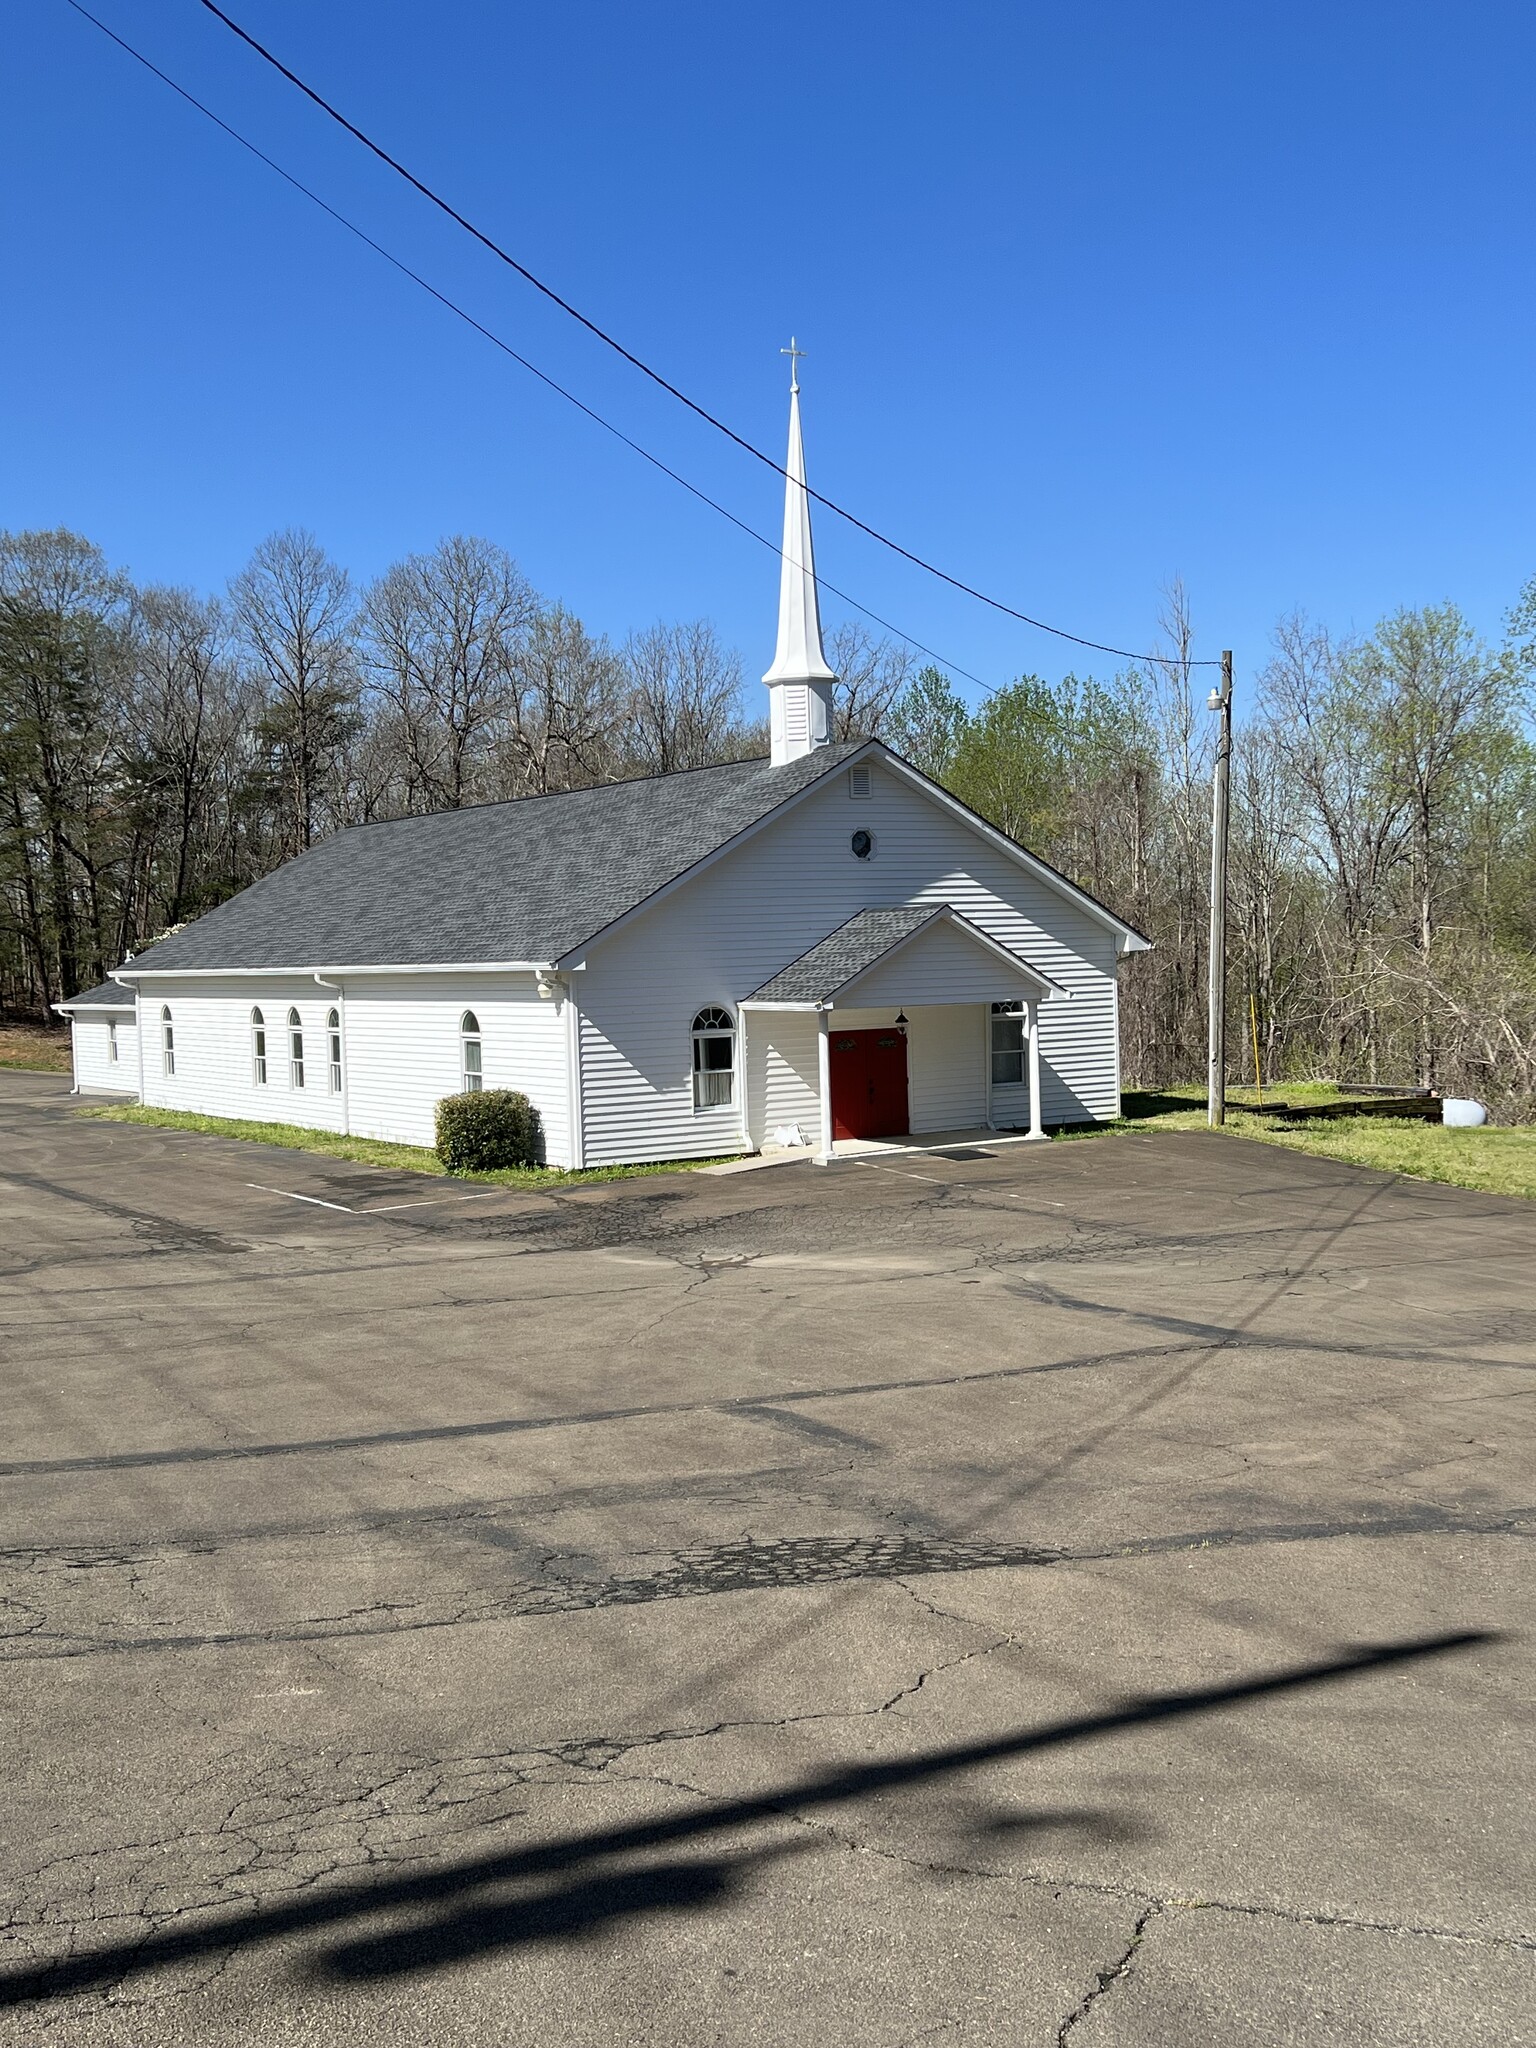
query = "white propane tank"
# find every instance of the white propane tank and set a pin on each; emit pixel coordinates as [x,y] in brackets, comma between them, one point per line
[1461,1114]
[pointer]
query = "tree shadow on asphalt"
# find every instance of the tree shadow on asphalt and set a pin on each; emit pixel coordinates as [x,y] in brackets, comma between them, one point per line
[584,1898]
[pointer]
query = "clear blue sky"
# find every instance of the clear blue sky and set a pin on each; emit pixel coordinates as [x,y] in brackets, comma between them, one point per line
[1093,296]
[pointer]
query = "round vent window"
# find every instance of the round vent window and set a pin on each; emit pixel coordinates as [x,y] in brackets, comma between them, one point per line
[862,844]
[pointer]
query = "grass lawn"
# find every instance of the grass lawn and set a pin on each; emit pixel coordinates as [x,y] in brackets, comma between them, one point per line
[1499,1161]
[30,1046]
[369,1151]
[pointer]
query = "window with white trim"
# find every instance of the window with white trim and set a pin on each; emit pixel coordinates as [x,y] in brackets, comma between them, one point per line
[714,1058]
[258,1049]
[1007,1043]
[167,1040]
[295,1050]
[471,1063]
[112,1040]
[333,1046]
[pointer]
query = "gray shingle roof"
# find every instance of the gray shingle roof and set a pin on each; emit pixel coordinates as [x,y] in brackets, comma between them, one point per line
[865,938]
[526,880]
[107,995]
[868,936]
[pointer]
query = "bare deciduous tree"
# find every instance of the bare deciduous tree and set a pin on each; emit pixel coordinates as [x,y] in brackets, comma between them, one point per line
[296,619]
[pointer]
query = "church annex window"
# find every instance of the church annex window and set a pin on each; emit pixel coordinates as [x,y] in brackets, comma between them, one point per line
[714,1058]
[295,1049]
[471,1069]
[333,1046]
[1007,1043]
[167,1040]
[258,1049]
[112,1040]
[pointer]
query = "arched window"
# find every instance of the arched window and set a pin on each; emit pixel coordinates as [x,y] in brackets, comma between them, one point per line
[258,1049]
[1007,1043]
[471,1073]
[295,1050]
[714,1058]
[333,1046]
[167,1040]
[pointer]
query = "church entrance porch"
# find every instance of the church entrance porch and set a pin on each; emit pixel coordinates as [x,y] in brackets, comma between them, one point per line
[868,1075]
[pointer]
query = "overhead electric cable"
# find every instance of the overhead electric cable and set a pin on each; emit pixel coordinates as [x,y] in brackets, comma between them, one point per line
[609,341]
[506,348]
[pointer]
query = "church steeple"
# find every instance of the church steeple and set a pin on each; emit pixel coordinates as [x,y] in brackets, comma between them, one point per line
[799,682]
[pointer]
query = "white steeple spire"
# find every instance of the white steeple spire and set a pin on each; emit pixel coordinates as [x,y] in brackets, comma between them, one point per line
[799,682]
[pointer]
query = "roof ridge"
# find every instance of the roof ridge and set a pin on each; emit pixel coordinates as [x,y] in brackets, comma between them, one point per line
[501,803]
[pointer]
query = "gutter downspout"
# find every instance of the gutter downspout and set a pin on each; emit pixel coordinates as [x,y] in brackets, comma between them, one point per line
[576,1121]
[346,1050]
[138,1027]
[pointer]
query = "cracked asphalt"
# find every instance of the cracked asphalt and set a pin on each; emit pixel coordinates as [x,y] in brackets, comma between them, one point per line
[1078,1595]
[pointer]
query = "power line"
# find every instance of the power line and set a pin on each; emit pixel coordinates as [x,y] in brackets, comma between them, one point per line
[506,348]
[750,448]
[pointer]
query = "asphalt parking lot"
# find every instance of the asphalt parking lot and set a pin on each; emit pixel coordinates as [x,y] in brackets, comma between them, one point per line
[1079,1595]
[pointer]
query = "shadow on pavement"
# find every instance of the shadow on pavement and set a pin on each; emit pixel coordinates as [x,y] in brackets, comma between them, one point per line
[583,1899]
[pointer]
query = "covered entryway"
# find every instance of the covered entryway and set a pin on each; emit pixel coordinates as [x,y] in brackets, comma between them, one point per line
[868,1072]
[856,1076]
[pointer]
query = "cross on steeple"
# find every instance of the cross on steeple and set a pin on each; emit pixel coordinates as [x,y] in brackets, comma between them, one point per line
[794,353]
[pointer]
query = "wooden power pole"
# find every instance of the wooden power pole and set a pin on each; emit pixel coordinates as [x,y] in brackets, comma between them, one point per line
[1221,818]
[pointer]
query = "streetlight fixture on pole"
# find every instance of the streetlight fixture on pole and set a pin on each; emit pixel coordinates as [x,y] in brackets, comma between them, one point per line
[1221,817]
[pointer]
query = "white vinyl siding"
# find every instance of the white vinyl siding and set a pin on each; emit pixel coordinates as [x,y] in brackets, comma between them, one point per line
[723,934]
[90,1039]
[782,1066]
[401,1050]
[941,965]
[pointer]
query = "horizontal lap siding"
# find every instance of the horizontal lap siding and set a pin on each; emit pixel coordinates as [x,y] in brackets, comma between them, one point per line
[941,965]
[214,1067]
[783,1061]
[405,1043]
[96,1073]
[723,934]
[401,1052]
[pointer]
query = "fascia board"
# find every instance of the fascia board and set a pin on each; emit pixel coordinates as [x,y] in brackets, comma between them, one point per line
[1133,941]
[70,1006]
[416,967]
[718,853]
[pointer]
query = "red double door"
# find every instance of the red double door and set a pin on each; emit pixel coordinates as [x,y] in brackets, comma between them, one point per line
[869,1083]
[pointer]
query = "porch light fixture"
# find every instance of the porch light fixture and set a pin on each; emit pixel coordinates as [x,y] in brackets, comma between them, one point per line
[901,1019]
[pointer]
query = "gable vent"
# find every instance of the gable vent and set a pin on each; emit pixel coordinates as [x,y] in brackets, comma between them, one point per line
[859,781]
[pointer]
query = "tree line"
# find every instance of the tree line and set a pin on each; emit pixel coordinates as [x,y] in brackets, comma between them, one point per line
[160,749]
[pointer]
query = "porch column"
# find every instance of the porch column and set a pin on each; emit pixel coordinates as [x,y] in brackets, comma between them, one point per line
[1032,1012]
[986,1063]
[824,1078]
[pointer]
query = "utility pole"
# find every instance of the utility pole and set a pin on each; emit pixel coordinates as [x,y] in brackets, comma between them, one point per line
[1221,818]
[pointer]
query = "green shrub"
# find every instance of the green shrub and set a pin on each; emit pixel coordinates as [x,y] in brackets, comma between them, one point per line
[482,1132]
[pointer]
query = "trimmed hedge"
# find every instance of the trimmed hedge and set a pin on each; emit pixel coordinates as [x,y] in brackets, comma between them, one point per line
[480,1133]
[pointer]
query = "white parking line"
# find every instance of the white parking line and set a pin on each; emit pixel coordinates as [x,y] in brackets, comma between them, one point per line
[289,1195]
[937,1180]
[939,1183]
[383,1209]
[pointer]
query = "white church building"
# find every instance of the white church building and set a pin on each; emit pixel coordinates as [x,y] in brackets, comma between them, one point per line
[823,947]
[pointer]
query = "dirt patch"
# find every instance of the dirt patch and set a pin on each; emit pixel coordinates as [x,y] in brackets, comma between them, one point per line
[30,1045]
